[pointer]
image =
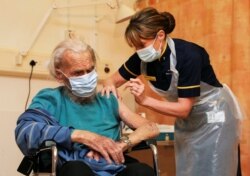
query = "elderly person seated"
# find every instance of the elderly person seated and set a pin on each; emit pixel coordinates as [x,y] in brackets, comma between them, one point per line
[84,125]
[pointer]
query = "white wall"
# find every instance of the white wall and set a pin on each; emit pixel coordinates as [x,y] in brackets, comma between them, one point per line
[37,33]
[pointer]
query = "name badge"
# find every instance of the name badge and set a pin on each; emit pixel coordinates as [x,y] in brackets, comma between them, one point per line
[215,117]
[149,78]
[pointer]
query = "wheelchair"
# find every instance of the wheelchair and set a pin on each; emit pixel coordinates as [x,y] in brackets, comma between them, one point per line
[35,166]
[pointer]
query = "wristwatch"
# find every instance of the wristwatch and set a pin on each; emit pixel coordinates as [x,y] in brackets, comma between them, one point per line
[126,140]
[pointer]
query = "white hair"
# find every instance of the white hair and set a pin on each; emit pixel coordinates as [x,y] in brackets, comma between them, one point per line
[74,45]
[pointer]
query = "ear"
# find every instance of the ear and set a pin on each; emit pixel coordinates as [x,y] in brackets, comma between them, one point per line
[161,35]
[59,76]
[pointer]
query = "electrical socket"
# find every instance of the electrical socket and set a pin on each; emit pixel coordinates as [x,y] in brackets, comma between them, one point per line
[33,63]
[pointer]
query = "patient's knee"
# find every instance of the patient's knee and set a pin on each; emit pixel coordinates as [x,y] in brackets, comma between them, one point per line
[75,168]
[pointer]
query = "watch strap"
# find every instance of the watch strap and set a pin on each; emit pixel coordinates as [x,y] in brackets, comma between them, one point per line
[127,141]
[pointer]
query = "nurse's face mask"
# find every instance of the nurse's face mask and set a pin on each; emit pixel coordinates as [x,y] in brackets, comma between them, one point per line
[84,85]
[149,53]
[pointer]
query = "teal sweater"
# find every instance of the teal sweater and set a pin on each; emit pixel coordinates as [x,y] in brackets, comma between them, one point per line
[100,116]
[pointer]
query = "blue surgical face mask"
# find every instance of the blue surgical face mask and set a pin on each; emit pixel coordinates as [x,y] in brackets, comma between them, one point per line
[85,85]
[149,53]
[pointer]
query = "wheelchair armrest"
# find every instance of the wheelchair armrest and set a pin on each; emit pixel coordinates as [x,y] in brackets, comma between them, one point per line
[30,163]
[144,144]
[155,158]
[49,146]
[150,144]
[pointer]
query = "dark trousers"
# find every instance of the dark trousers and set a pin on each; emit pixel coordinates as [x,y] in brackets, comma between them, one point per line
[78,168]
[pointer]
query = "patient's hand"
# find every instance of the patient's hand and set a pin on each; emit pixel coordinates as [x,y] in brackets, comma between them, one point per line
[93,155]
[106,147]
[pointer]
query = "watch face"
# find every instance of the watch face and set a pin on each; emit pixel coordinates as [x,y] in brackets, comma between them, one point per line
[126,140]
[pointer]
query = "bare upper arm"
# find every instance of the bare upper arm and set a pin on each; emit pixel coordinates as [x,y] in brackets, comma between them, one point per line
[129,117]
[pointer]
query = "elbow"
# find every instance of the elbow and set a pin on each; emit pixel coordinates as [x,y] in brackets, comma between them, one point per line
[157,132]
[185,106]
[184,114]
[154,129]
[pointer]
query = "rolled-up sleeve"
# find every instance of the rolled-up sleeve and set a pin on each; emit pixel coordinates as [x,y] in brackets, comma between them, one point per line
[131,68]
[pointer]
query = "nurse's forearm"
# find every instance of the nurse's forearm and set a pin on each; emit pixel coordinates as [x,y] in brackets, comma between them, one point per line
[180,109]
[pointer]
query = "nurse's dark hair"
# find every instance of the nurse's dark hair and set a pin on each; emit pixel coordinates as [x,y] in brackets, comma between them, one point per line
[146,23]
[74,45]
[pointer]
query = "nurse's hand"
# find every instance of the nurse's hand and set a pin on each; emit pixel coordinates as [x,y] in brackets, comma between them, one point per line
[137,88]
[111,84]
[107,89]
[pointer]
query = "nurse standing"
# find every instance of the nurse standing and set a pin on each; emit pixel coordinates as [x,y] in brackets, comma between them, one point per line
[207,113]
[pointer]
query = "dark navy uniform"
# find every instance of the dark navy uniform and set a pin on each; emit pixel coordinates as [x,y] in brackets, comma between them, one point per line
[193,65]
